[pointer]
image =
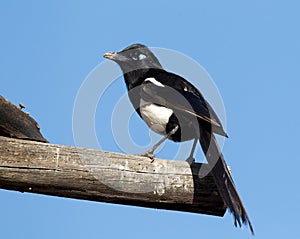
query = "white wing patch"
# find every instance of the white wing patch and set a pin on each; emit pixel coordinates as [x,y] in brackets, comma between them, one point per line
[155,82]
[155,116]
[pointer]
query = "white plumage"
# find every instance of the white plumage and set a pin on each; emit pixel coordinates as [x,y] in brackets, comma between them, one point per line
[154,81]
[155,116]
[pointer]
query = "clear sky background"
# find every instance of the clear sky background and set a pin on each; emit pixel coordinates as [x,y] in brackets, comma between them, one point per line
[250,48]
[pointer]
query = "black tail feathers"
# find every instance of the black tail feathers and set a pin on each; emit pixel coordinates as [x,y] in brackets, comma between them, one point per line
[223,179]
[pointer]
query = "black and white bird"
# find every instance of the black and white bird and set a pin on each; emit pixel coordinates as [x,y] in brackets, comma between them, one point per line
[174,108]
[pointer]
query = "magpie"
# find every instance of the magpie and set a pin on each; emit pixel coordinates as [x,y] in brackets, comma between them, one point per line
[173,107]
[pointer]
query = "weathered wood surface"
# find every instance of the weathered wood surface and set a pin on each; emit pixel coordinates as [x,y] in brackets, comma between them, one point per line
[65,171]
[17,124]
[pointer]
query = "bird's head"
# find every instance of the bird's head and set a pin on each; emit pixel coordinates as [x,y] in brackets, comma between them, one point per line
[134,57]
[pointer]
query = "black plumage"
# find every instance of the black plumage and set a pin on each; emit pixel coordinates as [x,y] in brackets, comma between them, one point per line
[173,107]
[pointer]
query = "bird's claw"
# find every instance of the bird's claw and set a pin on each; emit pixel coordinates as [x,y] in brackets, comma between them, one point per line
[149,155]
[190,160]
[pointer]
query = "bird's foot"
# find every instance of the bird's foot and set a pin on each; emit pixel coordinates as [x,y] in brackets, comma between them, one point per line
[149,155]
[190,160]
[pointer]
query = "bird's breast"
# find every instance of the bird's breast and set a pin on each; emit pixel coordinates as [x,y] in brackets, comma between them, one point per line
[155,116]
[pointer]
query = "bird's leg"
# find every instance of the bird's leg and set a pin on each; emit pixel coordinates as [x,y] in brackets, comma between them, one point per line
[191,158]
[150,152]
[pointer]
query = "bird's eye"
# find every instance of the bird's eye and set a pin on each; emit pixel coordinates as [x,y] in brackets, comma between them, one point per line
[142,56]
[139,57]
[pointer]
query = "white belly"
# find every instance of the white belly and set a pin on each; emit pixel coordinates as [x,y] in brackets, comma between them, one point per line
[156,117]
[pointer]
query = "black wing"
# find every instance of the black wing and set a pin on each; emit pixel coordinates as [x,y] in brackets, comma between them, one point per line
[180,95]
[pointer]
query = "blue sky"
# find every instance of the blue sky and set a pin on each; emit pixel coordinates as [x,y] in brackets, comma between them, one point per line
[250,48]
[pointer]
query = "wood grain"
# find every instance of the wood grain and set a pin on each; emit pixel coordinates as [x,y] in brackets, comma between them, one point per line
[35,167]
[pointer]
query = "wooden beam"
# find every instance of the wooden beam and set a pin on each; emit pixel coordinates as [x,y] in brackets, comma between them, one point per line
[17,124]
[71,172]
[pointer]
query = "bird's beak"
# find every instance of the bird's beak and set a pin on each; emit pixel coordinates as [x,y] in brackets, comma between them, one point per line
[110,55]
[114,56]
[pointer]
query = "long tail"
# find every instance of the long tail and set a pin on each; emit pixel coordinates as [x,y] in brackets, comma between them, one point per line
[223,179]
